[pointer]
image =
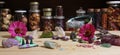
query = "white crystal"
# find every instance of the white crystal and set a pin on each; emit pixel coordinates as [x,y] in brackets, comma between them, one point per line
[59,31]
[34,33]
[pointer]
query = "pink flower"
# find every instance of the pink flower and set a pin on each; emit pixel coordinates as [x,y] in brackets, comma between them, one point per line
[86,32]
[17,28]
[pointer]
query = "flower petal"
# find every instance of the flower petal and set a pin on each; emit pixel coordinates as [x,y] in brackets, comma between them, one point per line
[17,24]
[84,28]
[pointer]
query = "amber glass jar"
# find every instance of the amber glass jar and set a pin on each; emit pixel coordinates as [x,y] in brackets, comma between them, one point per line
[5,19]
[34,19]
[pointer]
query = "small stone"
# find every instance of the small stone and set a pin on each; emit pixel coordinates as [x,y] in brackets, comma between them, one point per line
[55,38]
[97,43]
[61,49]
[72,35]
[82,41]
[65,38]
[107,45]
[75,40]
[9,43]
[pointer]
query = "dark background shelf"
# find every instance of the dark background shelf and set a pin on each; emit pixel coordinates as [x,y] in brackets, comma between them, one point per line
[70,6]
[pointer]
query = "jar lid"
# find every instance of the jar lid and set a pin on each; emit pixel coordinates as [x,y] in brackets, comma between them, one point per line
[5,9]
[2,2]
[59,6]
[59,17]
[91,9]
[104,9]
[34,10]
[115,5]
[47,9]
[80,11]
[46,17]
[34,3]
[97,10]
[113,2]
[20,11]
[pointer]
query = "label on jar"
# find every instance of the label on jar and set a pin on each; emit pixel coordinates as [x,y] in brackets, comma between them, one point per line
[47,14]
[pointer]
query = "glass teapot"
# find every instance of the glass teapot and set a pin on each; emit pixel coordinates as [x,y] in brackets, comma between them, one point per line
[79,20]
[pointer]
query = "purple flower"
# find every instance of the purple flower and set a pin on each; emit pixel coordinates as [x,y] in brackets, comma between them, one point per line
[17,28]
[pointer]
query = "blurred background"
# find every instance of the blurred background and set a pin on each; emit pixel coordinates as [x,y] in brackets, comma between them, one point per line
[70,6]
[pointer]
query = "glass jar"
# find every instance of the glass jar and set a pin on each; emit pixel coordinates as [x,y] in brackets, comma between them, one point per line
[76,22]
[59,18]
[1,7]
[5,19]
[59,10]
[34,6]
[47,19]
[34,20]
[97,18]
[47,23]
[113,15]
[20,16]
[104,18]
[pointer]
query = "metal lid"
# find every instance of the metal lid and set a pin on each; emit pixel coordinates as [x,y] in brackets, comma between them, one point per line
[59,6]
[47,17]
[34,3]
[104,9]
[97,10]
[59,17]
[2,2]
[113,2]
[91,9]
[20,11]
[5,9]
[34,10]
[80,11]
[47,9]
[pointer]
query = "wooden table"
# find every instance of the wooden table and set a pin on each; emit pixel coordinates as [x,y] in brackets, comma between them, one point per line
[67,48]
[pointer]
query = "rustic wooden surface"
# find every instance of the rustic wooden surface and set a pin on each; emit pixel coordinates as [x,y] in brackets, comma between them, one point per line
[67,48]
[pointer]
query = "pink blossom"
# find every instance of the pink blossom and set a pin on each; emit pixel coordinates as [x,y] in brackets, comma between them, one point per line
[17,28]
[86,32]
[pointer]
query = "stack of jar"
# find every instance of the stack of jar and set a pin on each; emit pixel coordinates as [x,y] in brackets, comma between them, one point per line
[108,18]
[51,22]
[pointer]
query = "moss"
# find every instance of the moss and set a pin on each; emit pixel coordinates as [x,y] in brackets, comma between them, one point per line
[46,35]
